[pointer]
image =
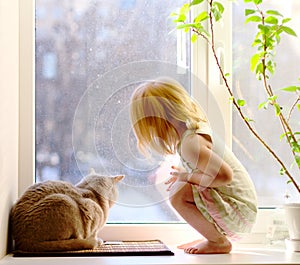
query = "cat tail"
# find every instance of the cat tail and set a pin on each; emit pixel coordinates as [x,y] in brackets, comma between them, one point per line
[60,245]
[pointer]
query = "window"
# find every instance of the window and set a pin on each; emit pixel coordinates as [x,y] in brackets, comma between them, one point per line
[90,55]
[259,163]
[50,77]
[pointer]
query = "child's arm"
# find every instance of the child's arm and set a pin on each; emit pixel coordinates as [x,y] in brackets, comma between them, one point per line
[210,169]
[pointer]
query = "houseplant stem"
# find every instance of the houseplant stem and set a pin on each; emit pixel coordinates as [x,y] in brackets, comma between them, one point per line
[244,118]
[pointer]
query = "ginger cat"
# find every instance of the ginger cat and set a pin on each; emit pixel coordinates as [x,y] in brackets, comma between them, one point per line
[58,216]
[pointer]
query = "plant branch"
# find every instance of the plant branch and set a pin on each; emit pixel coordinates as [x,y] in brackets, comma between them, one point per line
[201,35]
[283,121]
[292,108]
[253,131]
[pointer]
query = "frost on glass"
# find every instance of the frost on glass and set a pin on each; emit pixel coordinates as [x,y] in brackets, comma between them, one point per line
[261,166]
[78,44]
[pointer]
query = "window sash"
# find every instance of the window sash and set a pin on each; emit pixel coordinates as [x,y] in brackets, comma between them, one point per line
[200,69]
[26,103]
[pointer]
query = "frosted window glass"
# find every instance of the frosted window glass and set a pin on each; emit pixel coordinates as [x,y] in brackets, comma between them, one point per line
[89,57]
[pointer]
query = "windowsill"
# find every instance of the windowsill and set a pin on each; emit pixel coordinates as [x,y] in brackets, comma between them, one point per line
[254,249]
[241,254]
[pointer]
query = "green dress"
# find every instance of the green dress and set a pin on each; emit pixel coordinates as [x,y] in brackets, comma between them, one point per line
[233,207]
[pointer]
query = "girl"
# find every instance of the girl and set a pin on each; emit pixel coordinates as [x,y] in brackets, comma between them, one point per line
[214,194]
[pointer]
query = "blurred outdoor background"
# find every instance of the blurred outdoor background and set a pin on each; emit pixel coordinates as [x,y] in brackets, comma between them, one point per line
[79,41]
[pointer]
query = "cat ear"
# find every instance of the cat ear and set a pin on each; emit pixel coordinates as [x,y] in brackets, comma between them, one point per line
[118,178]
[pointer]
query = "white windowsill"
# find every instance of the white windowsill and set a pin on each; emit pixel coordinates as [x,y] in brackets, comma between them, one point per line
[241,254]
[244,252]
[254,249]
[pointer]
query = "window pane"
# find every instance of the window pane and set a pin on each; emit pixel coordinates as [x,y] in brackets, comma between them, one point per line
[264,170]
[90,55]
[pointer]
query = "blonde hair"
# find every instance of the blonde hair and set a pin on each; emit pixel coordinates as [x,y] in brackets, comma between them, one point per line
[155,106]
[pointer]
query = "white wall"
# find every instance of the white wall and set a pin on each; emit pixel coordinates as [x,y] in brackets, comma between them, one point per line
[9,116]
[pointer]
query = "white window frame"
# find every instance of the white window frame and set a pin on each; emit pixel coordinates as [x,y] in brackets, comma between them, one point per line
[170,233]
[27,98]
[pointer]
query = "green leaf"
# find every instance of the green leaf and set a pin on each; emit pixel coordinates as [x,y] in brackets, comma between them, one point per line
[271,20]
[264,29]
[183,26]
[180,18]
[241,102]
[277,109]
[253,19]
[259,69]
[285,20]
[272,99]
[194,38]
[283,135]
[277,36]
[196,2]
[296,147]
[289,31]
[257,2]
[217,14]
[298,107]
[254,61]
[269,43]
[201,17]
[256,42]
[263,105]
[249,12]
[271,67]
[219,6]
[274,12]
[290,89]
[297,159]
[282,171]
[184,10]
[248,119]
[217,10]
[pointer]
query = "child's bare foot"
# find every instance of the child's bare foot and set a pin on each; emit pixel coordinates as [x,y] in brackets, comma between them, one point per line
[209,247]
[190,244]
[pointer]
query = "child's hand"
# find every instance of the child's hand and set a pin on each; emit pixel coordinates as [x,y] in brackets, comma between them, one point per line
[178,175]
[170,182]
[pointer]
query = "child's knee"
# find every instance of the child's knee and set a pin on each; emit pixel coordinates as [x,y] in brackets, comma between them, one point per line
[179,198]
[174,200]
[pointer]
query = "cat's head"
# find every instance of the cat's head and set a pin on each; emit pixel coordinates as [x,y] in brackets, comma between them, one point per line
[103,187]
